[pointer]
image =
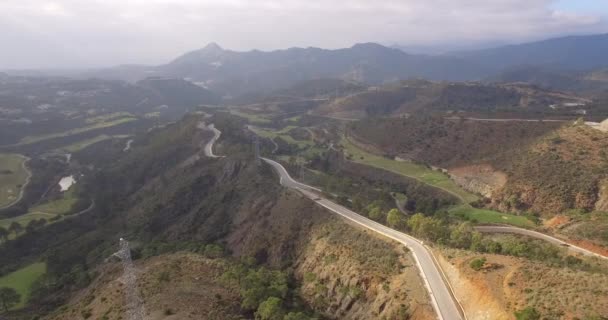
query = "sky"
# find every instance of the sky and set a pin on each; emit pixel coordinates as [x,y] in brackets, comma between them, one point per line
[96,33]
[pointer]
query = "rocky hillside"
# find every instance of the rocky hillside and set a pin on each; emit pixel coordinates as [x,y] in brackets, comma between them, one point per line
[505,286]
[541,167]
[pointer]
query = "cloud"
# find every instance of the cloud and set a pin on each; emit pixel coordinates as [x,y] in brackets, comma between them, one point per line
[63,33]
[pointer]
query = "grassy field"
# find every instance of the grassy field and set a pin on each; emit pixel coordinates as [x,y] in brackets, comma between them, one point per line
[409,169]
[254,118]
[80,145]
[95,126]
[485,216]
[59,206]
[46,211]
[439,180]
[283,135]
[109,116]
[12,177]
[22,279]
[23,220]
[293,119]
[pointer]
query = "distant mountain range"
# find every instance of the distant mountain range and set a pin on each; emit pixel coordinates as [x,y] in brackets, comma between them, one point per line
[235,73]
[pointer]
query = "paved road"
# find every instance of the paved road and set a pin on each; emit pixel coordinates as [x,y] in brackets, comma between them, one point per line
[209,146]
[445,304]
[537,235]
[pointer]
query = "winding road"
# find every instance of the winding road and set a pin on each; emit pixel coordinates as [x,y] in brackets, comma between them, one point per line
[442,297]
[209,146]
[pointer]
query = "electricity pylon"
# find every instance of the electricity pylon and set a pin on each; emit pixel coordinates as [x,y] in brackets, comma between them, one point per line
[135,306]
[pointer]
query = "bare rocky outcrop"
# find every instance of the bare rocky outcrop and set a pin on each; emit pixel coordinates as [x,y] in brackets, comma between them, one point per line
[602,197]
[481,179]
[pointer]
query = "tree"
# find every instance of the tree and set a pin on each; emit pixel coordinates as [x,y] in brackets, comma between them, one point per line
[427,227]
[270,309]
[461,236]
[375,213]
[15,228]
[9,298]
[4,234]
[415,222]
[394,218]
[529,313]
[259,285]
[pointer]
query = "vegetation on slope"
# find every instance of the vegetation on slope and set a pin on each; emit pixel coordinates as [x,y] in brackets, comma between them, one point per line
[562,171]
[447,143]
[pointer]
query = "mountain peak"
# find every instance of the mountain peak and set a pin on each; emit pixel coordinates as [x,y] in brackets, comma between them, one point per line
[213,47]
[369,46]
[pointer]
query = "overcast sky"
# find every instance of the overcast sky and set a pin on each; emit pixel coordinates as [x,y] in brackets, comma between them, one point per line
[90,33]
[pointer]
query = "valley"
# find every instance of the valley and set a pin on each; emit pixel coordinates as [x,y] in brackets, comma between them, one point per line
[358,183]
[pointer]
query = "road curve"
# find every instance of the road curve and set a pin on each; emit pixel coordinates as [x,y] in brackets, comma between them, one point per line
[442,298]
[538,235]
[209,146]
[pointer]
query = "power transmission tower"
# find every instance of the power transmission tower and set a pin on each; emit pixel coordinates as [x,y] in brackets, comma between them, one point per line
[135,306]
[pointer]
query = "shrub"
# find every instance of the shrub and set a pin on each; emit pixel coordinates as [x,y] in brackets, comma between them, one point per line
[271,309]
[528,313]
[478,263]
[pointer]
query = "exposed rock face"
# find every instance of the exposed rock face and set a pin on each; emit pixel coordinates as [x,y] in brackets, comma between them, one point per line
[602,126]
[482,179]
[352,281]
[602,197]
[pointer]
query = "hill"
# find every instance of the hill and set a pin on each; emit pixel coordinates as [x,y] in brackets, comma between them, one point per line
[180,93]
[463,97]
[540,167]
[565,53]
[590,83]
[232,216]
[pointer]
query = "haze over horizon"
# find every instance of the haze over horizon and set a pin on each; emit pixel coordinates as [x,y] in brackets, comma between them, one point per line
[69,34]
